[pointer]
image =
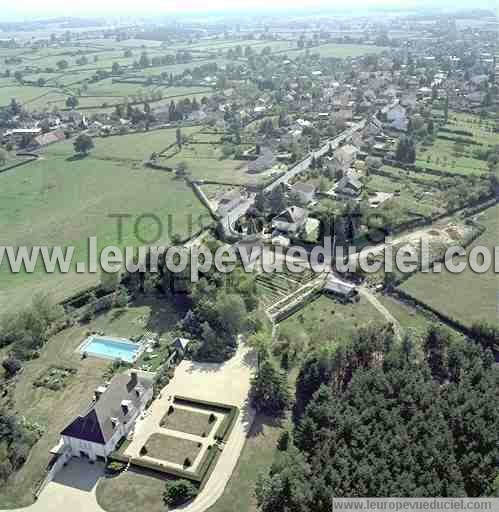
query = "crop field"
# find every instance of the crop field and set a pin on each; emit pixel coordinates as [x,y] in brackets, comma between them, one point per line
[56,201]
[466,296]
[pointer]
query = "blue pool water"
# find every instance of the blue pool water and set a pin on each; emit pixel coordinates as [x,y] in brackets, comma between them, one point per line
[111,348]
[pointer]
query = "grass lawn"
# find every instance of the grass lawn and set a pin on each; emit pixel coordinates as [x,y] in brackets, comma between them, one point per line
[441,156]
[201,166]
[133,147]
[411,320]
[467,296]
[325,320]
[256,457]
[410,199]
[22,93]
[171,449]
[54,201]
[190,422]
[134,489]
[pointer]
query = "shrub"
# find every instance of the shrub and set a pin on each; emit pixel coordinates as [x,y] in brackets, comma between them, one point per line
[178,492]
[143,450]
[212,418]
[187,462]
[171,409]
[115,467]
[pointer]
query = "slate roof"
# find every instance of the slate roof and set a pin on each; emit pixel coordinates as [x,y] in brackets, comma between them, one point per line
[96,423]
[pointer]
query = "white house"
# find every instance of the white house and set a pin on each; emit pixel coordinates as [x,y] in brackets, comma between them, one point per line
[111,415]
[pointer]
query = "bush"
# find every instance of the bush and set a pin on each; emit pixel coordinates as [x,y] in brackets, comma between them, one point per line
[187,462]
[143,450]
[115,467]
[212,418]
[178,492]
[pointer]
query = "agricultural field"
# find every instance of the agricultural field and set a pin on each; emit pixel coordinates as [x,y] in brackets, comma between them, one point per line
[23,94]
[206,162]
[467,296]
[442,156]
[458,156]
[61,201]
[132,147]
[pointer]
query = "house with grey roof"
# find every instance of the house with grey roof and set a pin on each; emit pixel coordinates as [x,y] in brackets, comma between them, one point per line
[110,417]
[291,220]
[348,186]
[265,161]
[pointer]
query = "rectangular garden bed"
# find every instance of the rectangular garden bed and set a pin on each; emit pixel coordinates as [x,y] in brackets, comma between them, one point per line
[190,422]
[171,449]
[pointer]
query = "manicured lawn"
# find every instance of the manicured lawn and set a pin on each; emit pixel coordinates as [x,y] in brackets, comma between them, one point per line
[467,296]
[327,321]
[191,422]
[132,490]
[171,449]
[257,457]
[54,201]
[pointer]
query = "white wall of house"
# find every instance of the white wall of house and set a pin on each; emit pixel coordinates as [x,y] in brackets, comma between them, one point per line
[94,450]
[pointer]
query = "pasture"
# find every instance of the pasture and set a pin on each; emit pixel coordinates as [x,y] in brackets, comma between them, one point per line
[467,296]
[57,201]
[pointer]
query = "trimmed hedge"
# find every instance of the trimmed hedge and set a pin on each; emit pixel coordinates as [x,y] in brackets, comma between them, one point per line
[224,430]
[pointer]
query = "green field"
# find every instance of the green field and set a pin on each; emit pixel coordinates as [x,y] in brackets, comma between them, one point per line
[468,296]
[441,156]
[410,200]
[206,162]
[22,94]
[55,201]
[257,457]
[133,147]
[327,321]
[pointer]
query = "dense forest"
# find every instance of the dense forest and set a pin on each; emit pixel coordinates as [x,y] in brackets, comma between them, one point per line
[377,417]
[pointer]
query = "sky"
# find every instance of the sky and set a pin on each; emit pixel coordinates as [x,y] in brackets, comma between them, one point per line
[19,9]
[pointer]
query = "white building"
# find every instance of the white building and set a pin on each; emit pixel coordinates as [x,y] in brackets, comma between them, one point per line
[110,417]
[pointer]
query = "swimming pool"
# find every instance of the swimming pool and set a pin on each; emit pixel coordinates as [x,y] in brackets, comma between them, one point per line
[111,348]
